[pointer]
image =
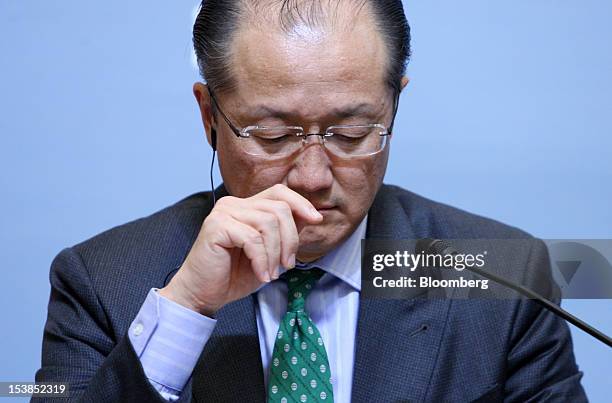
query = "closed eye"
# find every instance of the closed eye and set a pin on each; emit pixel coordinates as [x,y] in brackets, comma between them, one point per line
[278,139]
[347,139]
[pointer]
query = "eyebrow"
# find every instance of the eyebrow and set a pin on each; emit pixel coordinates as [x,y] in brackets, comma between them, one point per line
[362,108]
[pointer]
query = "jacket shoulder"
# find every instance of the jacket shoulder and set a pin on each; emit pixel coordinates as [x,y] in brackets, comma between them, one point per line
[123,263]
[163,227]
[430,218]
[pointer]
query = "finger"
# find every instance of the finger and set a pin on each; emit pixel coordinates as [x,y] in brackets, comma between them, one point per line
[267,224]
[299,205]
[289,238]
[235,234]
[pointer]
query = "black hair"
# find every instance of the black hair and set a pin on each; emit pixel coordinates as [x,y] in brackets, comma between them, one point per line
[218,20]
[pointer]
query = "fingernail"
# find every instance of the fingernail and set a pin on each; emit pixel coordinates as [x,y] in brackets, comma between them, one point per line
[314,213]
[292,261]
[267,277]
[276,274]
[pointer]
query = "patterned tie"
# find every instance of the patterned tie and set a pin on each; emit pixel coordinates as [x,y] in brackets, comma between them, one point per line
[300,369]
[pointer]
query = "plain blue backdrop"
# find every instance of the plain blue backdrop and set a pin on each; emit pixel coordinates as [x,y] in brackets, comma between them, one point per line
[507,115]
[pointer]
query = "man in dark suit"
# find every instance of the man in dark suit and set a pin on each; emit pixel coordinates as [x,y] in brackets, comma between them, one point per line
[265,304]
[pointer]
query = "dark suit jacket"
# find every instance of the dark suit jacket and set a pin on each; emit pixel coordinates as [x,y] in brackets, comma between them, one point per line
[433,350]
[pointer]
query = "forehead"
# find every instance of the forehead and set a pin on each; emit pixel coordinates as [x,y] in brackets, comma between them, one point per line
[310,66]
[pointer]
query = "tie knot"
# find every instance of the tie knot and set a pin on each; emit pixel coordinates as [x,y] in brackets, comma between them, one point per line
[300,283]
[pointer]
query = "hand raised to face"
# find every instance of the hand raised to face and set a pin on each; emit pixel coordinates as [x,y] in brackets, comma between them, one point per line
[240,246]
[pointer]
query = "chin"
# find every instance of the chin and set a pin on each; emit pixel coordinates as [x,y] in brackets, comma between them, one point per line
[314,243]
[318,240]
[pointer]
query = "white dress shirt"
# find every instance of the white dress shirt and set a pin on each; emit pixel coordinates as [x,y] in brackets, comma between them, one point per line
[169,338]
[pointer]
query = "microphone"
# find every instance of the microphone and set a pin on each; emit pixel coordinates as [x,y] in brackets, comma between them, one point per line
[440,247]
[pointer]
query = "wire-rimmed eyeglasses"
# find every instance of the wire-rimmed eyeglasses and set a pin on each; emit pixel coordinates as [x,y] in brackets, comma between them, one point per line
[345,141]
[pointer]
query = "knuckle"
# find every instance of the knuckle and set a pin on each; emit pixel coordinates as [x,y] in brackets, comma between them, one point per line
[270,221]
[282,207]
[212,219]
[279,187]
[254,238]
[226,201]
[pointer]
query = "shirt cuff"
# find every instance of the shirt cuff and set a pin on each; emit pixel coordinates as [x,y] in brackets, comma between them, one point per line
[168,338]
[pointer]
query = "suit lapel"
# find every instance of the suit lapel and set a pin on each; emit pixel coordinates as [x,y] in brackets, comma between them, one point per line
[395,364]
[230,369]
[397,341]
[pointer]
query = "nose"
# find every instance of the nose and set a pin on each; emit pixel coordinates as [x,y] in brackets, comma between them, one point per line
[311,171]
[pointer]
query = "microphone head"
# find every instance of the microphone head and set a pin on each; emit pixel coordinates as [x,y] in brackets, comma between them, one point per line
[424,245]
[433,246]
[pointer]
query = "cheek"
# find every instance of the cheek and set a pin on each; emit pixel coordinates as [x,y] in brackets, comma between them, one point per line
[245,176]
[360,181]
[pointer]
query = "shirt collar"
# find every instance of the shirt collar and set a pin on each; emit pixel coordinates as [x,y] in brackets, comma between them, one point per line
[344,261]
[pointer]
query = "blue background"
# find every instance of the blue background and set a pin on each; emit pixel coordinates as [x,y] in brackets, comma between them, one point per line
[507,115]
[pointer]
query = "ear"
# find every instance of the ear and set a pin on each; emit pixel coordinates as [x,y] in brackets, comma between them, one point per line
[202,96]
[404,82]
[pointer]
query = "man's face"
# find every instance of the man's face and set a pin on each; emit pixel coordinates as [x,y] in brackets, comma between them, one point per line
[312,79]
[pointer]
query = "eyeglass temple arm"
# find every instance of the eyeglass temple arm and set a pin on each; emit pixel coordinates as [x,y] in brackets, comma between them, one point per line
[395,107]
[218,108]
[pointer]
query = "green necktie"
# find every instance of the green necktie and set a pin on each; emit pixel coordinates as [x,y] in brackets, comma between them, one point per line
[300,369]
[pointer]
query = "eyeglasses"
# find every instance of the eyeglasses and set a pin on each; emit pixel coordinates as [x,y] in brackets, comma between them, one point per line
[345,141]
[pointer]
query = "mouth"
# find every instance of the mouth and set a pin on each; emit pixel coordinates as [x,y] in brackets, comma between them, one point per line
[325,208]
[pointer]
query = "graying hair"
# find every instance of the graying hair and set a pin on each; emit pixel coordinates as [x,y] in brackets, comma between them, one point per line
[218,20]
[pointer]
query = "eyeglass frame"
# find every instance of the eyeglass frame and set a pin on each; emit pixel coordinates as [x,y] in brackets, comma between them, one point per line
[240,133]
